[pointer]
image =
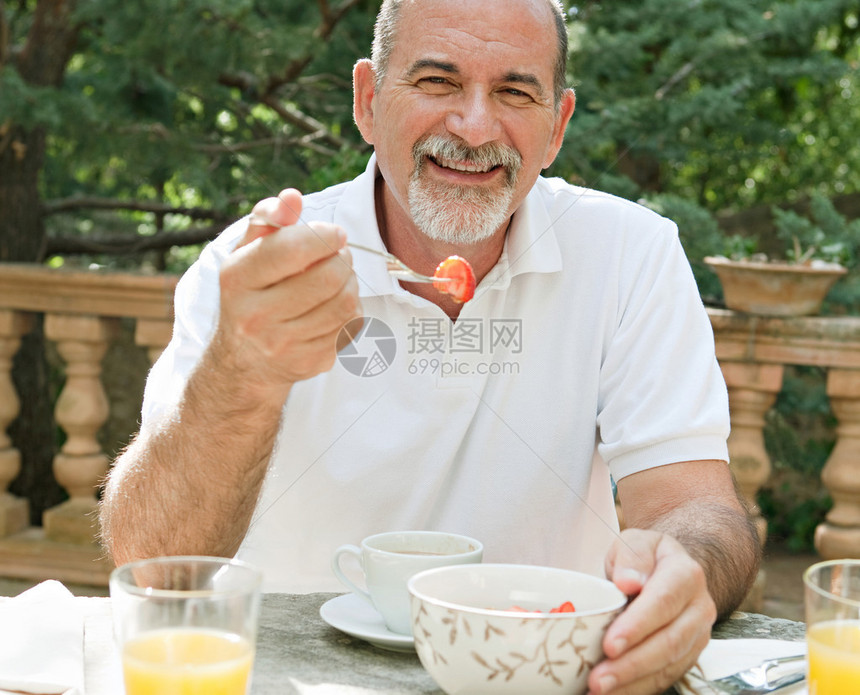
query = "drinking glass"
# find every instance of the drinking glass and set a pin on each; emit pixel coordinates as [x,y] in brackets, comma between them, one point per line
[186,625]
[832,597]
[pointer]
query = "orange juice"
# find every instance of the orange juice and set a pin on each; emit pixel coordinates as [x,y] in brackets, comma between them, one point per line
[834,657]
[187,661]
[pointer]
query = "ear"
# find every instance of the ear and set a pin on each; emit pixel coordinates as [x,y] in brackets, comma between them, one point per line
[364,89]
[565,111]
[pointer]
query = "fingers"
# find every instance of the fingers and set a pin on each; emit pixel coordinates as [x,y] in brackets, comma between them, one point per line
[286,291]
[672,580]
[653,665]
[288,251]
[666,625]
[288,332]
[277,244]
[297,296]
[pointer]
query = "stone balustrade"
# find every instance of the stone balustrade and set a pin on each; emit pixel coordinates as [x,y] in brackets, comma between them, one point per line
[81,309]
[753,352]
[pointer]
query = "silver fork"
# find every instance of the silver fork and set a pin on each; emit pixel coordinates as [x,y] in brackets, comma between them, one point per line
[756,680]
[396,267]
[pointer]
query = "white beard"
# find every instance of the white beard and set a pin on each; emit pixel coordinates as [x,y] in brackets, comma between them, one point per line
[461,214]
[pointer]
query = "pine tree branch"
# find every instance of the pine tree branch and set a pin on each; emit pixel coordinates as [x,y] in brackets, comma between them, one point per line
[124,244]
[4,37]
[53,207]
[312,126]
[50,42]
[758,221]
[246,146]
[330,17]
[264,92]
[249,86]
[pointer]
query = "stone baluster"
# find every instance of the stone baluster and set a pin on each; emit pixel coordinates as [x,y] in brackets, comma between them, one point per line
[753,388]
[14,511]
[81,410]
[839,535]
[154,335]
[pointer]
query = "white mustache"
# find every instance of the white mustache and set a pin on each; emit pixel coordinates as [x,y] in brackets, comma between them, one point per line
[460,157]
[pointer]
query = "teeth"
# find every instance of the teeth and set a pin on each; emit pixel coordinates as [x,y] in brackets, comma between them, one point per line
[463,166]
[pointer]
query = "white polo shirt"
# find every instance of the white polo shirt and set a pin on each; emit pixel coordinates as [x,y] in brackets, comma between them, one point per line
[585,350]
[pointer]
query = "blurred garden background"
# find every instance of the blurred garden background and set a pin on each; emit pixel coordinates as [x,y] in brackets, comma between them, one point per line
[132,133]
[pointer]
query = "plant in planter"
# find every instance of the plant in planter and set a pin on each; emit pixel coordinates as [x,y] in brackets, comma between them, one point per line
[819,250]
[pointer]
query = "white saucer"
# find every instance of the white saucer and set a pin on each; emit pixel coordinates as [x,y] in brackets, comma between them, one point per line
[354,616]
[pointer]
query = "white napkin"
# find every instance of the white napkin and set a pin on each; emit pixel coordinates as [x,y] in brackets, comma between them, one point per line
[722,657]
[42,642]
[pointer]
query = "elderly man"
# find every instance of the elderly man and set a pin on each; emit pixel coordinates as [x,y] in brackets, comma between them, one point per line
[586,351]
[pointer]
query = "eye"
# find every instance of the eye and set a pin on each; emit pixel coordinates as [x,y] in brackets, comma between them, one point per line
[516,95]
[435,84]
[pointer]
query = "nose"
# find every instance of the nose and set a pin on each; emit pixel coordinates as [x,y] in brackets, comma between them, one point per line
[474,119]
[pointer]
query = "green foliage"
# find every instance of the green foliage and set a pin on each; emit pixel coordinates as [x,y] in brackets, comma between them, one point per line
[696,107]
[792,520]
[347,165]
[215,104]
[727,103]
[799,437]
[203,104]
[699,234]
[737,247]
[825,234]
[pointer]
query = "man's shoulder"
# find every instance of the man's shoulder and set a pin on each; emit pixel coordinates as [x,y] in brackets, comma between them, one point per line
[327,196]
[320,205]
[570,199]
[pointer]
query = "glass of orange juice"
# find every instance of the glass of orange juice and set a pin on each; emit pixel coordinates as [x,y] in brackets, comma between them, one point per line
[832,597]
[186,625]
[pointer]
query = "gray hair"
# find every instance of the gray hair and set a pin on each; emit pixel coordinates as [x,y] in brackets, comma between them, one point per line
[386,27]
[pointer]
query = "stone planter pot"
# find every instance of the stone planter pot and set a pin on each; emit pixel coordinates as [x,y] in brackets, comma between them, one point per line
[774,289]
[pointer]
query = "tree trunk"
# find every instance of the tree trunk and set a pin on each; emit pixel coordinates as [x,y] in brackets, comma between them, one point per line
[41,61]
[22,240]
[643,168]
[34,432]
[22,232]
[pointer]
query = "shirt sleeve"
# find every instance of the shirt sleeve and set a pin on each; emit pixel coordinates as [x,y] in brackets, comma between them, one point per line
[196,305]
[662,397]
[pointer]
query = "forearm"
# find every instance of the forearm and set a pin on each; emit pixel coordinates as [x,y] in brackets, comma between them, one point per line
[697,503]
[189,484]
[723,540]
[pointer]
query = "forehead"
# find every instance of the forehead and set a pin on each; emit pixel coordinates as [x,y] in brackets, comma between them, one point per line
[503,35]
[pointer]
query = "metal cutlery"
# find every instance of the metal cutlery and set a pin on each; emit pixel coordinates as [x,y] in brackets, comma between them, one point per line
[756,680]
[396,267]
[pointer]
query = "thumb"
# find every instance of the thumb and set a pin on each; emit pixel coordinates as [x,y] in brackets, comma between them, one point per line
[631,560]
[271,214]
[291,203]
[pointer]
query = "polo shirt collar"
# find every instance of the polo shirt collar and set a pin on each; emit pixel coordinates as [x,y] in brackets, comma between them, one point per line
[530,247]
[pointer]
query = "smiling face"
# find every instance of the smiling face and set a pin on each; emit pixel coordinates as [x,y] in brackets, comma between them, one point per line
[465,118]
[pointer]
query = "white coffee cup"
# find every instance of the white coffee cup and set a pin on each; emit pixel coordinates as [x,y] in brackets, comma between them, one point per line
[388,560]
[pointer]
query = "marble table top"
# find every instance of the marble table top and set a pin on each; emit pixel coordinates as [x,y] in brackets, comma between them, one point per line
[299,653]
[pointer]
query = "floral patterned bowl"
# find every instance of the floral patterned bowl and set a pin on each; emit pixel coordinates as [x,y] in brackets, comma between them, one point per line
[473,636]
